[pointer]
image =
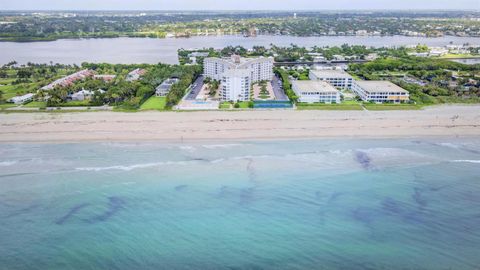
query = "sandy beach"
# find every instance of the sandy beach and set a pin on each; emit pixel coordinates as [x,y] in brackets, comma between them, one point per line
[446,120]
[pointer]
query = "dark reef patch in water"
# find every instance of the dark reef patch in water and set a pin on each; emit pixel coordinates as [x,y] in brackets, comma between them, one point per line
[251,171]
[391,206]
[319,195]
[364,214]
[70,213]
[115,204]
[246,195]
[417,196]
[363,159]
[180,187]
[241,196]
[224,191]
[22,211]
[334,196]
[438,188]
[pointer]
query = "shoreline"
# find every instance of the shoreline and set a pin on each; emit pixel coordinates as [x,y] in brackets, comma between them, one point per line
[21,39]
[177,127]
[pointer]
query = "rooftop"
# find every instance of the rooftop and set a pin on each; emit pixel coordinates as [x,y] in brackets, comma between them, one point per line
[236,72]
[331,73]
[237,60]
[380,86]
[313,86]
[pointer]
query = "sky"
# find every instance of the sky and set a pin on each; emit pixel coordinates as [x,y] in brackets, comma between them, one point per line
[237,4]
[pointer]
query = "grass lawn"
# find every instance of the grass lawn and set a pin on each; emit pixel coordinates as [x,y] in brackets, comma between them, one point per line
[331,107]
[244,104]
[6,81]
[225,105]
[9,91]
[391,107]
[36,104]
[154,103]
[7,105]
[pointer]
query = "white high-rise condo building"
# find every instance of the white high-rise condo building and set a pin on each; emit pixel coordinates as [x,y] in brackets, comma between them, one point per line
[337,78]
[235,85]
[234,72]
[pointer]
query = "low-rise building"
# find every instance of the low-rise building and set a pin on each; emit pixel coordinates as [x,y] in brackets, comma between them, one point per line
[315,91]
[105,77]
[84,94]
[22,99]
[336,77]
[69,80]
[380,91]
[134,75]
[198,54]
[164,88]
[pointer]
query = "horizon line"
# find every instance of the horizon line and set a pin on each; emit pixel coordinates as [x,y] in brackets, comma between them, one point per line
[245,10]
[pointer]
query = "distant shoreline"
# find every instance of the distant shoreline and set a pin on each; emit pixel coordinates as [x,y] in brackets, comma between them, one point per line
[177,127]
[123,35]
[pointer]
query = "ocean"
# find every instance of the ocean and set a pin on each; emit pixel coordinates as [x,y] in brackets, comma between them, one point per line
[303,204]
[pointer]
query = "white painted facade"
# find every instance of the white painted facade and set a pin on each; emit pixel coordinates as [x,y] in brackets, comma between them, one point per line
[235,85]
[315,91]
[237,74]
[336,77]
[22,99]
[380,91]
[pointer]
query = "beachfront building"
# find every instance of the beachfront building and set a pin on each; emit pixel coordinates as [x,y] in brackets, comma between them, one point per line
[22,99]
[69,80]
[380,91]
[235,85]
[238,74]
[164,88]
[315,91]
[135,75]
[84,94]
[336,77]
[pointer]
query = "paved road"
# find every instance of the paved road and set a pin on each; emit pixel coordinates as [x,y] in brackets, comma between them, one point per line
[196,87]
[278,89]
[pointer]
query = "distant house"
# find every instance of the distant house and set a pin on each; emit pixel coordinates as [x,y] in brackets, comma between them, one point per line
[22,99]
[163,89]
[84,94]
[371,56]
[104,77]
[198,54]
[419,54]
[436,51]
[134,75]
[69,80]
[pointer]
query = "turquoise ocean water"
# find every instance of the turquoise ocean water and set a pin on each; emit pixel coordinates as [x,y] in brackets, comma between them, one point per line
[317,204]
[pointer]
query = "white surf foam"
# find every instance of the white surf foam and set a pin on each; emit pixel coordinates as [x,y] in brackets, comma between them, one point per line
[466,161]
[8,163]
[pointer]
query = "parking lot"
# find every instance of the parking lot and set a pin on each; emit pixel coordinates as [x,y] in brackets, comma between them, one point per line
[278,89]
[196,87]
